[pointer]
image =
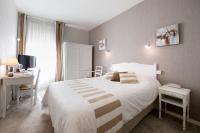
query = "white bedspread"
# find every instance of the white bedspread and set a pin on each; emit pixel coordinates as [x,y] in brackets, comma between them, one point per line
[70,113]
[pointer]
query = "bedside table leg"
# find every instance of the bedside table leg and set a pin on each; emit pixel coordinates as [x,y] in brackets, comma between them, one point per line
[160,107]
[184,118]
[165,108]
[188,108]
[188,113]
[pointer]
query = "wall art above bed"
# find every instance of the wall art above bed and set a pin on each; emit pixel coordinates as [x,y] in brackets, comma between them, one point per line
[167,36]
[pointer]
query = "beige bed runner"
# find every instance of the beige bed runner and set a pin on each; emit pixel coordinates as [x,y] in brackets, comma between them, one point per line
[107,108]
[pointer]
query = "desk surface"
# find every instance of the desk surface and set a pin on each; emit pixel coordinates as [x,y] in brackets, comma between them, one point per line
[17,75]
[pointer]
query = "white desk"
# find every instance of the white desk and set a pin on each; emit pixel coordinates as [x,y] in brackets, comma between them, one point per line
[17,79]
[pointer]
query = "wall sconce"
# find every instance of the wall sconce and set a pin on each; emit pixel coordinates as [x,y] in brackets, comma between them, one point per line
[148,46]
[108,53]
[18,39]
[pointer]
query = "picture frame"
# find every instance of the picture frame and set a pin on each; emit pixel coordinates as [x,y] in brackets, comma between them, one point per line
[102,44]
[168,35]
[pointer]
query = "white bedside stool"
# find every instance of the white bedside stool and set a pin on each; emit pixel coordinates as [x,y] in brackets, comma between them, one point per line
[178,97]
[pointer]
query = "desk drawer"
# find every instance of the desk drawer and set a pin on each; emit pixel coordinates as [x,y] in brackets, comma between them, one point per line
[18,81]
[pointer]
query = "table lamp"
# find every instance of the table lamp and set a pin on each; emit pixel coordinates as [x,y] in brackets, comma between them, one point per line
[10,63]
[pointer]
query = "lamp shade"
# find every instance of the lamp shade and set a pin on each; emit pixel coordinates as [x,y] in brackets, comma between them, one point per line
[9,61]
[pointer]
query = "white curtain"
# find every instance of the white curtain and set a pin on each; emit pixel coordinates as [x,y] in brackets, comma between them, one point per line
[41,42]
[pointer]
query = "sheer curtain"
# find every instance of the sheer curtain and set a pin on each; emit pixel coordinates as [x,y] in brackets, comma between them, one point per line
[41,42]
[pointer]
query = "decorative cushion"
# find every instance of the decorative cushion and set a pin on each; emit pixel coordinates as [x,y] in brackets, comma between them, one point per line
[128,77]
[116,76]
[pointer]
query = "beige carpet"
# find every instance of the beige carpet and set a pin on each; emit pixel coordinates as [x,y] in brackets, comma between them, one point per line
[23,119]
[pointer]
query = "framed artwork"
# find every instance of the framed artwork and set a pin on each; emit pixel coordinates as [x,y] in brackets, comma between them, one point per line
[102,44]
[167,36]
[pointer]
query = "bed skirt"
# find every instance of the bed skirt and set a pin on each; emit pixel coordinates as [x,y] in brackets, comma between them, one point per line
[133,123]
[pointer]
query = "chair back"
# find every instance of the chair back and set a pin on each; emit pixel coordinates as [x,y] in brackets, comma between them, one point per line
[36,79]
[98,71]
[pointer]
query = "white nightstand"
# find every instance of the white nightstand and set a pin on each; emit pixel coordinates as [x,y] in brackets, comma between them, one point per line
[178,97]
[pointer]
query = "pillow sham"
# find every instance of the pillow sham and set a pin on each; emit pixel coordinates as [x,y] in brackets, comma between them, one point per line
[128,77]
[116,76]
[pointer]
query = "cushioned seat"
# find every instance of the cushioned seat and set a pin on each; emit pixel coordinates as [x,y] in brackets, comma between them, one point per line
[24,87]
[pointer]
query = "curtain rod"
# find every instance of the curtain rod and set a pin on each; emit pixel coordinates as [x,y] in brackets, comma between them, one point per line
[41,19]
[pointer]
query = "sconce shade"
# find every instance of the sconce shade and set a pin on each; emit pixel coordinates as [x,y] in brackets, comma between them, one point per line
[9,62]
[148,46]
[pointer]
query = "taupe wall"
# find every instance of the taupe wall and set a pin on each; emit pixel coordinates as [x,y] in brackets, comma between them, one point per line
[76,35]
[8,28]
[128,33]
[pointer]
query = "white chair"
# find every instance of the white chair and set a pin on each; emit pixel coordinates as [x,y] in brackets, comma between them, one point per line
[98,71]
[26,90]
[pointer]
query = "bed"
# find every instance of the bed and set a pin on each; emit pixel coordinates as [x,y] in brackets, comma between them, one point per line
[97,105]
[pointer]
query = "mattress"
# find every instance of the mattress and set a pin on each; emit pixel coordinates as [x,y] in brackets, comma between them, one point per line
[70,113]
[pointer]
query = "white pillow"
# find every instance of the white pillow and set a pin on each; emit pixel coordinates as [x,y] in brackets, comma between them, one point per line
[108,75]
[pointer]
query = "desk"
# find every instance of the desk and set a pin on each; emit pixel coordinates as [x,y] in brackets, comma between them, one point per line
[17,79]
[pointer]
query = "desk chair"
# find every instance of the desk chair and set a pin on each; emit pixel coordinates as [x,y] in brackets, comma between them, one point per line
[26,90]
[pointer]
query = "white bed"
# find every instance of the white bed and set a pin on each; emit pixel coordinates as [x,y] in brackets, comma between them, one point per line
[70,113]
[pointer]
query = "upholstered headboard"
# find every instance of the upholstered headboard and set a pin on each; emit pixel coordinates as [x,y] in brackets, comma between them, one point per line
[140,69]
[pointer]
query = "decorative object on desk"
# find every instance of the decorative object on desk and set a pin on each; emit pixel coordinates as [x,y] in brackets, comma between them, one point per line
[10,63]
[19,68]
[102,44]
[168,35]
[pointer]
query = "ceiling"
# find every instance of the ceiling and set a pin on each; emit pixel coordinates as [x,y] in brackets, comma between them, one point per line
[85,14]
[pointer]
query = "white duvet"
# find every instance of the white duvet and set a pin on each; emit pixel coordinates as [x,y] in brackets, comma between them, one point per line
[70,113]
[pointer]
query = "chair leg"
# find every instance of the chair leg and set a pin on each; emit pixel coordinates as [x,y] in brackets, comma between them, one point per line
[31,96]
[35,96]
[18,94]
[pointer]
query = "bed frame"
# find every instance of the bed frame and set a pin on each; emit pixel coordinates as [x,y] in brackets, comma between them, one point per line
[148,70]
[139,117]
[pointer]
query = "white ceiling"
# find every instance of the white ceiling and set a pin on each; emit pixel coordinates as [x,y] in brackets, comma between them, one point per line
[85,14]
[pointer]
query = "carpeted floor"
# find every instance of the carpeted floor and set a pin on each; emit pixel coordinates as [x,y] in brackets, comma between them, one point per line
[23,119]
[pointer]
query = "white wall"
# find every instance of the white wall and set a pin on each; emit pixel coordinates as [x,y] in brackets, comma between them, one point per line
[8,32]
[8,28]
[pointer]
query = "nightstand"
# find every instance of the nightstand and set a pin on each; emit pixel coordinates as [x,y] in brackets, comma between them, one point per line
[174,96]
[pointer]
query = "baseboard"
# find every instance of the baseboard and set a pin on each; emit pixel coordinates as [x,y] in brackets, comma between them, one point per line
[192,121]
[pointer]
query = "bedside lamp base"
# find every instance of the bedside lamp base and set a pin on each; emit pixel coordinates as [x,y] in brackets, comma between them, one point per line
[10,74]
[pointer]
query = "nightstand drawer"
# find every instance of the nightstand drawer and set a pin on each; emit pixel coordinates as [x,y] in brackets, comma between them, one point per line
[169,93]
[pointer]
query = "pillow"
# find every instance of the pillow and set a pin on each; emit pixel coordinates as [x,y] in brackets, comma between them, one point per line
[128,78]
[108,75]
[116,76]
